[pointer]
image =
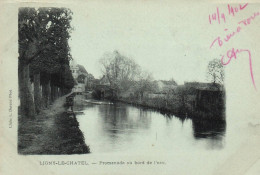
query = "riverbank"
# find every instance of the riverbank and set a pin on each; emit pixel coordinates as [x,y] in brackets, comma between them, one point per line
[52,131]
[181,108]
[147,104]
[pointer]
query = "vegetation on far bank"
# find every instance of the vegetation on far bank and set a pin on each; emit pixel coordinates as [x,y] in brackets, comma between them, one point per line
[125,81]
[184,101]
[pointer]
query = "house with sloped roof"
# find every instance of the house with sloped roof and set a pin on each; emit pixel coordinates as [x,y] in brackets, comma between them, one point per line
[164,86]
[104,81]
[80,76]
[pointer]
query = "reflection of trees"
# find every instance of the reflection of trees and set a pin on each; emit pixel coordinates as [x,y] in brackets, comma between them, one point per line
[209,129]
[215,143]
[121,118]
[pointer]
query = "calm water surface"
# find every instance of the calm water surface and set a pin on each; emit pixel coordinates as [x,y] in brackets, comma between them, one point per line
[125,128]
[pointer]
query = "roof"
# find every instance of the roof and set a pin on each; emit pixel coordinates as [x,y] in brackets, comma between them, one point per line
[168,82]
[82,69]
[204,86]
[96,81]
[207,89]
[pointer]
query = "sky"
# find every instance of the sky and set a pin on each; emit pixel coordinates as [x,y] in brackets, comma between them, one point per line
[166,39]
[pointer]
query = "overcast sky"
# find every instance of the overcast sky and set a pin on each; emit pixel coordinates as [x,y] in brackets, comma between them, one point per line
[166,39]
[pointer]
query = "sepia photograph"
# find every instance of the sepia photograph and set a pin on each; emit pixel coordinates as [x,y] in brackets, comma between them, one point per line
[65,108]
[133,87]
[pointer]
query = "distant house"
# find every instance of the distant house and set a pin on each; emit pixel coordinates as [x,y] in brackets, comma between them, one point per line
[204,86]
[104,81]
[80,76]
[102,87]
[163,86]
[90,81]
[96,82]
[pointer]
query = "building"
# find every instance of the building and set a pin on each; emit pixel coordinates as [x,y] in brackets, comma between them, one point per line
[206,86]
[90,82]
[103,87]
[80,76]
[104,81]
[164,86]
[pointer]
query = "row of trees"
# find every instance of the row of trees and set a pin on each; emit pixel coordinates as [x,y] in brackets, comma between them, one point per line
[44,55]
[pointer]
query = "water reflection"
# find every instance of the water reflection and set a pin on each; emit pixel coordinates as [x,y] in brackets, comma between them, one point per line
[209,129]
[117,118]
[121,127]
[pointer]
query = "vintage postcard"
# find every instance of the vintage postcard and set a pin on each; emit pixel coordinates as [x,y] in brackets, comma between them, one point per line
[128,87]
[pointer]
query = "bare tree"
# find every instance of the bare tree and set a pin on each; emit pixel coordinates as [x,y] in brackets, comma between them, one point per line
[215,72]
[144,84]
[120,70]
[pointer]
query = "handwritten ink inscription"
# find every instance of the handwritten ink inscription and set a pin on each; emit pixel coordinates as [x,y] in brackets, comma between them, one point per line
[232,10]
[233,53]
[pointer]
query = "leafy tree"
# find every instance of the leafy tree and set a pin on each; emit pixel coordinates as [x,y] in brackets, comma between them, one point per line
[81,78]
[215,71]
[44,53]
[28,50]
[67,78]
[173,82]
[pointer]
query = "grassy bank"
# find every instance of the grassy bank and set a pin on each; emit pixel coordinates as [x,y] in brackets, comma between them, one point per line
[180,106]
[53,131]
[157,104]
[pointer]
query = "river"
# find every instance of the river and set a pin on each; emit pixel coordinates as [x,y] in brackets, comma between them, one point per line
[122,132]
[122,128]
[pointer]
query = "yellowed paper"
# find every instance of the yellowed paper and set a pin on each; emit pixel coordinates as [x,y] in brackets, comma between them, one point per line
[169,39]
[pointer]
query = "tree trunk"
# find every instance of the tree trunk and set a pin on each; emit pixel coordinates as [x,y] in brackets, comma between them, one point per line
[37,92]
[61,91]
[44,95]
[46,90]
[56,92]
[49,92]
[27,102]
[21,86]
[52,92]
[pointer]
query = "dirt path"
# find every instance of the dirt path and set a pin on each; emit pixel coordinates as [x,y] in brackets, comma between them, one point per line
[51,132]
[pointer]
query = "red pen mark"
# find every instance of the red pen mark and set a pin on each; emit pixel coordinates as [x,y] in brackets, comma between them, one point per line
[243,6]
[223,17]
[248,20]
[217,16]
[220,17]
[233,10]
[220,42]
[233,54]
[226,38]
